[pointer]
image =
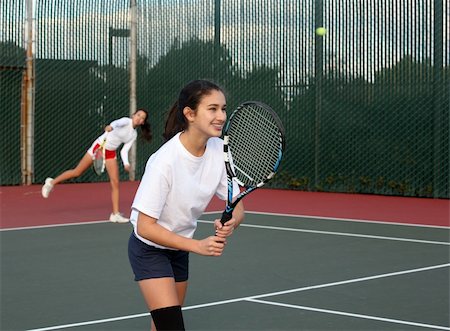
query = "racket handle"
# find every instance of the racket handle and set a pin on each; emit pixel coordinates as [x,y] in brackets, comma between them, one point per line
[226,216]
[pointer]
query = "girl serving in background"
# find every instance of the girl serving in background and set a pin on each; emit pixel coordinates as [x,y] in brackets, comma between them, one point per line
[120,131]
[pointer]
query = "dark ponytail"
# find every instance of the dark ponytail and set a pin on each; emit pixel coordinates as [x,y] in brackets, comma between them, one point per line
[190,96]
[176,122]
[146,130]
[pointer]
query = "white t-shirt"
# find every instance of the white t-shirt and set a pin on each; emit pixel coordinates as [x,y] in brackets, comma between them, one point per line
[122,133]
[177,186]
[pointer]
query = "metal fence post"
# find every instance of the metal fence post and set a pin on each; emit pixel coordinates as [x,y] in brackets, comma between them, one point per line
[27,136]
[318,73]
[133,51]
[216,38]
[438,93]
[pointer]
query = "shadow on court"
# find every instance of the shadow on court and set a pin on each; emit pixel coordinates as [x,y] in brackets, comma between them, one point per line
[277,273]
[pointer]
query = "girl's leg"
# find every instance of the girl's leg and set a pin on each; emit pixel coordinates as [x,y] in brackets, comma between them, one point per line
[113,172]
[82,166]
[181,291]
[161,293]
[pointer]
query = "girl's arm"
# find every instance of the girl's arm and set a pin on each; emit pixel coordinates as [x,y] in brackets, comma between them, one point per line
[124,153]
[238,214]
[120,122]
[148,228]
[117,124]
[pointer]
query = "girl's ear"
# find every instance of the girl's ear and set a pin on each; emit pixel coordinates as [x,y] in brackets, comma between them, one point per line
[189,114]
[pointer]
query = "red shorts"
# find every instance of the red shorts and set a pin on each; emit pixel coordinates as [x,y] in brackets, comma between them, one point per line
[108,154]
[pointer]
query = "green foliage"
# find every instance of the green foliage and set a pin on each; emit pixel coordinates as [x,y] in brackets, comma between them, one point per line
[385,136]
[158,86]
[368,132]
[10,109]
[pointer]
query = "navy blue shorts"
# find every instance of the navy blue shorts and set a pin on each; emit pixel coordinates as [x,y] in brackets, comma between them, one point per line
[151,262]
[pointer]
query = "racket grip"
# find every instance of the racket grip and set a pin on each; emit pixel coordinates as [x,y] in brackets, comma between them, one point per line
[226,216]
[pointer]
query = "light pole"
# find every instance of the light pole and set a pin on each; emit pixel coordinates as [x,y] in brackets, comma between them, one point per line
[128,33]
[121,33]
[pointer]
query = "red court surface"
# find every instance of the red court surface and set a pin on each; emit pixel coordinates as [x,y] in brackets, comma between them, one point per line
[23,206]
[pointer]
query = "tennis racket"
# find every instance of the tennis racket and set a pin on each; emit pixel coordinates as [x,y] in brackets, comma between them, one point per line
[254,142]
[99,159]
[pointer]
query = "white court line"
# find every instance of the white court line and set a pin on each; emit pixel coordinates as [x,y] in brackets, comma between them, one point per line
[344,282]
[249,212]
[327,218]
[263,227]
[340,234]
[34,227]
[255,297]
[256,226]
[105,320]
[335,312]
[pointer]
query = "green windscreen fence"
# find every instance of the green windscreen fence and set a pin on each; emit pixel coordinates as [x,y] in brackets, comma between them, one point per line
[80,88]
[12,66]
[365,106]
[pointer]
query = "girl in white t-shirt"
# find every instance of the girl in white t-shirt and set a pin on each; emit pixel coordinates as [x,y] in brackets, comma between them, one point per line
[120,131]
[180,180]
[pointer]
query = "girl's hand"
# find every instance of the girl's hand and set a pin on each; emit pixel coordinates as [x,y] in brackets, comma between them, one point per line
[108,128]
[127,168]
[224,230]
[211,246]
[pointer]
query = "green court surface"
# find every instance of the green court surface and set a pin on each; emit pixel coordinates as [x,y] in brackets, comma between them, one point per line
[277,273]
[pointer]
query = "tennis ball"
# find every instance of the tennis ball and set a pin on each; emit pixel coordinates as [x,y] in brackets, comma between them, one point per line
[321,31]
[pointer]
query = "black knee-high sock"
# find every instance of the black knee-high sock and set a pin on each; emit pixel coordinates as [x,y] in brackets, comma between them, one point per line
[168,319]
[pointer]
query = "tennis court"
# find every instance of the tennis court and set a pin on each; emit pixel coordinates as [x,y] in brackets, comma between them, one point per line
[279,272]
[353,233]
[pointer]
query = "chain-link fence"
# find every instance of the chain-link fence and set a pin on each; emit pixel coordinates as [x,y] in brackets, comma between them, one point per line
[366,106]
[12,66]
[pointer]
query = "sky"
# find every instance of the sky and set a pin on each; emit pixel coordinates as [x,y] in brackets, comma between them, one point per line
[360,38]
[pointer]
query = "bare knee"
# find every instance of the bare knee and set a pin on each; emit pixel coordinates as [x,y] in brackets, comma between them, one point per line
[114,183]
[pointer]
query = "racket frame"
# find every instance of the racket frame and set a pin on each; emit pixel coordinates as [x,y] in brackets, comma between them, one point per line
[103,150]
[231,175]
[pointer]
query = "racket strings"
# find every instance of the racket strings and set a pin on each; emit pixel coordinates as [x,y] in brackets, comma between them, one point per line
[99,158]
[255,143]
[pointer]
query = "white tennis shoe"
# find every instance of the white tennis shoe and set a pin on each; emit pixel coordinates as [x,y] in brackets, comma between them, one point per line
[118,218]
[47,188]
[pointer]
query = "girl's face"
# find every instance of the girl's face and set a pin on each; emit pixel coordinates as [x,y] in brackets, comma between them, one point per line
[210,116]
[139,118]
